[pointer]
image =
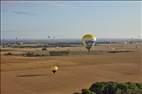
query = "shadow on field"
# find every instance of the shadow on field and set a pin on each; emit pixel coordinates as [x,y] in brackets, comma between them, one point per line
[31,75]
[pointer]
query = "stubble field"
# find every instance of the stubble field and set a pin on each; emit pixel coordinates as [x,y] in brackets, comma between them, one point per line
[33,75]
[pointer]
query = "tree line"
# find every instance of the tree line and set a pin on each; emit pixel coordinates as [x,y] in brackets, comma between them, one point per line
[113,88]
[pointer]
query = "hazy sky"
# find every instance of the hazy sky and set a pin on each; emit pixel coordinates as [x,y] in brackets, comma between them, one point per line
[70,19]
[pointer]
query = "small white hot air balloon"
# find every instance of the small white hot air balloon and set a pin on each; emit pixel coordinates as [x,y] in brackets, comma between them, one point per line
[55,69]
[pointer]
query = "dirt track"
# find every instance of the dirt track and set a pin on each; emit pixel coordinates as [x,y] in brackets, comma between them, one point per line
[32,75]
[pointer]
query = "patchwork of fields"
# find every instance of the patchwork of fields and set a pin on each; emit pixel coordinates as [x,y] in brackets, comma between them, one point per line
[33,75]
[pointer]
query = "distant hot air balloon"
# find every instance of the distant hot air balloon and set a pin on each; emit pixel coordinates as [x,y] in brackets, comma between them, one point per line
[55,69]
[49,37]
[89,41]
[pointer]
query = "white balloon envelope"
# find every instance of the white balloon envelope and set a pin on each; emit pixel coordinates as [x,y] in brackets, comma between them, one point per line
[55,68]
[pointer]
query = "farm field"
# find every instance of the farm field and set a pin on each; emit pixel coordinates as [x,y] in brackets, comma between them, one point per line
[33,75]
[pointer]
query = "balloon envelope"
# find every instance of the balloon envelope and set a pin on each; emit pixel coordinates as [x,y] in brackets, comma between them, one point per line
[89,40]
[54,68]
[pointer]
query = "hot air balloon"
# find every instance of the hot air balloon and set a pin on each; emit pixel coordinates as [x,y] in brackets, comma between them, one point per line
[89,41]
[54,69]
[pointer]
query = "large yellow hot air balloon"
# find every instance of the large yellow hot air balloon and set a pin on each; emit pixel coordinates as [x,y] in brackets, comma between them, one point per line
[89,41]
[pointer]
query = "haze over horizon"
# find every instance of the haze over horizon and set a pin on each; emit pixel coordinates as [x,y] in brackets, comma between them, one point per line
[70,19]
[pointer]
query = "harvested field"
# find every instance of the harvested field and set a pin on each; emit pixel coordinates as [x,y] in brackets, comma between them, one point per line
[32,75]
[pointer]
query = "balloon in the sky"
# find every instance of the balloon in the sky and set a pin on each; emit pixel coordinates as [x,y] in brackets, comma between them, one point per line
[89,41]
[55,69]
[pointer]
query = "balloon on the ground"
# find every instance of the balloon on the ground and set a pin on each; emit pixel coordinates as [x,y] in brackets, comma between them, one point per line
[89,41]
